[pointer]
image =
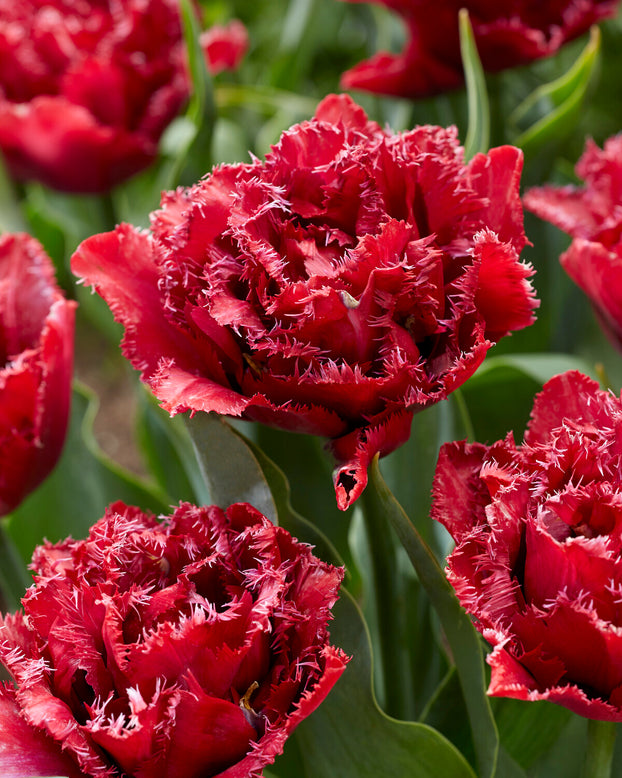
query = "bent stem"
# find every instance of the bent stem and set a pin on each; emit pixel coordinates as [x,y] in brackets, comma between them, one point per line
[601,738]
[396,690]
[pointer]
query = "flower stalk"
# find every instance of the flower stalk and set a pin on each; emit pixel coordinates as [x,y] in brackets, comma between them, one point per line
[601,738]
[389,607]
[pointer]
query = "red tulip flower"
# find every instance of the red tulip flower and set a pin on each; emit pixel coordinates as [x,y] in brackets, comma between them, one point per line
[351,279]
[538,563]
[592,215]
[37,362]
[506,34]
[224,46]
[185,647]
[86,88]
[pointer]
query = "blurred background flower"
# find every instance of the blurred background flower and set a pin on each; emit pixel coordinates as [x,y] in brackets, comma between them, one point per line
[592,215]
[36,327]
[86,89]
[506,34]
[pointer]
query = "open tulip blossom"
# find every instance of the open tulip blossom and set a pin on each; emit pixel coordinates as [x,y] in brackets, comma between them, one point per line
[87,88]
[354,277]
[36,323]
[538,531]
[507,34]
[183,647]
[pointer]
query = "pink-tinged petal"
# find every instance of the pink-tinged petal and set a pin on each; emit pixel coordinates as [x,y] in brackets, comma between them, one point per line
[565,207]
[271,744]
[598,272]
[199,641]
[224,46]
[538,529]
[355,451]
[36,356]
[209,734]
[459,496]
[27,751]
[592,215]
[496,177]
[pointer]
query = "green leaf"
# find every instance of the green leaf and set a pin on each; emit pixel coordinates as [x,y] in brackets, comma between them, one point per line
[237,470]
[478,134]
[348,735]
[229,467]
[552,110]
[76,494]
[167,449]
[185,146]
[11,217]
[528,731]
[499,397]
[463,639]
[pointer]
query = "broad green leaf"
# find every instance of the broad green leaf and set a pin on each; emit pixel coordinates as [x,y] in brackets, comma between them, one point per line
[238,469]
[76,494]
[229,467]
[167,449]
[528,730]
[348,735]
[478,134]
[499,397]
[463,639]
[557,105]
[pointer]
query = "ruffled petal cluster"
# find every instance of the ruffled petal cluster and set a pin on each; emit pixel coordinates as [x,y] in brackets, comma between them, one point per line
[36,367]
[507,34]
[86,88]
[592,215]
[537,563]
[353,278]
[183,647]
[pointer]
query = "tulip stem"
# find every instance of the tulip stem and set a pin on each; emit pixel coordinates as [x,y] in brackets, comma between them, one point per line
[601,738]
[396,690]
[14,578]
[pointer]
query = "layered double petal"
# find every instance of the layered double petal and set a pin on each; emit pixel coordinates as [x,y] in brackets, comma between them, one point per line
[538,531]
[353,278]
[189,645]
